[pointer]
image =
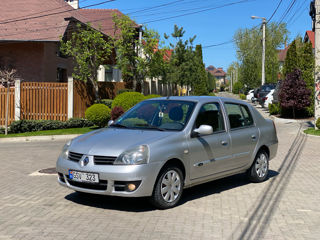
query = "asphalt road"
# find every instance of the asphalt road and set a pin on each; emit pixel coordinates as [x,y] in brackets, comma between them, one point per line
[286,206]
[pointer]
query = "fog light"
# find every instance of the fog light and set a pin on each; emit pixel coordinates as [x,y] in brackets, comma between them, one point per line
[131,187]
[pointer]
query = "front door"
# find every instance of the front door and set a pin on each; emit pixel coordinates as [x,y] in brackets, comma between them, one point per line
[208,153]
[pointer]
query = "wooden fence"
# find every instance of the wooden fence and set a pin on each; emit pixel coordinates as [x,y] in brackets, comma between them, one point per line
[44,100]
[3,102]
[83,96]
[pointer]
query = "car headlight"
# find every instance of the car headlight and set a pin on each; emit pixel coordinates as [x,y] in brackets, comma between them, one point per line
[65,150]
[134,156]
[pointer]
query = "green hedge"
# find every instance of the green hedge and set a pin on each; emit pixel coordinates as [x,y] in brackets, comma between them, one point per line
[242,96]
[318,123]
[274,109]
[22,126]
[151,96]
[127,100]
[107,102]
[99,114]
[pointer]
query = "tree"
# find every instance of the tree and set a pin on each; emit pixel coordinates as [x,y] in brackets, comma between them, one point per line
[292,60]
[89,48]
[294,94]
[201,78]
[137,59]
[211,82]
[7,78]
[249,49]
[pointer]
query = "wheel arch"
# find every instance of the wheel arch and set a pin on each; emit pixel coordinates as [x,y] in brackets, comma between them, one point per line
[174,162]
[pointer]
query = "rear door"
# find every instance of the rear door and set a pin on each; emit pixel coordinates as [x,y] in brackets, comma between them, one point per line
[243,132]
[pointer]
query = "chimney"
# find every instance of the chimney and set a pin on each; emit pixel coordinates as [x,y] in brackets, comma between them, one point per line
[73,3]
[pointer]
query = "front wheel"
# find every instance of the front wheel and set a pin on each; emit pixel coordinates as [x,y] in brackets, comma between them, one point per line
[168,189]
[258,172]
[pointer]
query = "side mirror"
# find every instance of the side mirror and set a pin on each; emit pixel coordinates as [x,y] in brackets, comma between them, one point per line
[202,130]
[110,122]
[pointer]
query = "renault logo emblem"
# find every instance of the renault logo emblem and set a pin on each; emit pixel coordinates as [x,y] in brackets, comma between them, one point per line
[84,161]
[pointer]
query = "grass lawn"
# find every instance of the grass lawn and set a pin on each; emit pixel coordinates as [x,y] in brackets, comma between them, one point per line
[51,132]
[312,131]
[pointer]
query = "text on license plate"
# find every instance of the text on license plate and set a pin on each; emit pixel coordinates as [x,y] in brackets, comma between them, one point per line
[83,176]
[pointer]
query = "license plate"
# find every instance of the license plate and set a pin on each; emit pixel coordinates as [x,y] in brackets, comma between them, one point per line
[83,176]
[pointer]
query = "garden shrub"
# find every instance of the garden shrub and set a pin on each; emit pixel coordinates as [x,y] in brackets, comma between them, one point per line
[22,126]
[99,114]
[116,112]
[151,96]
[127,100]
[242,96]
[318,123]
[212,94]
[107,102]
[274,108]
[124,90]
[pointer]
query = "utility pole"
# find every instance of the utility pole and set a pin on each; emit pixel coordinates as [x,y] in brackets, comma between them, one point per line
[264,22]
[315,15]
[231,80]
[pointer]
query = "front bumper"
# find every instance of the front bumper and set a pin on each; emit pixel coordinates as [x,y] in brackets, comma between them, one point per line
[110,176]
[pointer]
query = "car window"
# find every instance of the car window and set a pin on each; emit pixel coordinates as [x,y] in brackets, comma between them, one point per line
[210,114]
[160,114]
[239,115]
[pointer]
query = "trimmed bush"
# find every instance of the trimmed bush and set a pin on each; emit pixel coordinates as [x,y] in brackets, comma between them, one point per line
[127,100]
[212,94]
[242,96]
[124,90]
[22,126]
[318,123]
[132,122]
[274,109]
[151,96]
[116,112]
[107,102]
[99,114]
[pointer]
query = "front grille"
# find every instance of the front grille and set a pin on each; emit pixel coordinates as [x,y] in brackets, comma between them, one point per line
[102,185]
[104,160]
[74,156]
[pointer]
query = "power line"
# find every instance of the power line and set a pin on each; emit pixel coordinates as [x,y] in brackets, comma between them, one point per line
[51,14]
[195,12]
[274,12]
[158,6]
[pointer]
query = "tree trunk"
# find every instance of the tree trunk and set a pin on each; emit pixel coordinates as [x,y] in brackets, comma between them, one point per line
[7,109]
[96,90]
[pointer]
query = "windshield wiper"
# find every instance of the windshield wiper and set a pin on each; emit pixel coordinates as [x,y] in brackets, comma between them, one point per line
[148,126]
[118,125]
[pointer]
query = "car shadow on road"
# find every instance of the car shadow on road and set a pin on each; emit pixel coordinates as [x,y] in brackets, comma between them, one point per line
[142,204]
[218,186]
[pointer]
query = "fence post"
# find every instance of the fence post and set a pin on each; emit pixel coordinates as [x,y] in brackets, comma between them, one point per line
[70,97]
[17,100]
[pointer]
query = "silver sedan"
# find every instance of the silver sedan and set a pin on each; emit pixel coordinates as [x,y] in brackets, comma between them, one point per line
[164,145]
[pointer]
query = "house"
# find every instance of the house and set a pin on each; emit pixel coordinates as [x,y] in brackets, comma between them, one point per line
[30,32]
[309,37]
[219,74]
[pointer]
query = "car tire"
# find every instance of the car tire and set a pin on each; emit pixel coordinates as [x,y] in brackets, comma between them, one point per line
[258,172]
[168,188]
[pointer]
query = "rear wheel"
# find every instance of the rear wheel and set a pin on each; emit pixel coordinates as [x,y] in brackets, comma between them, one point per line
[168,189]
[258,172]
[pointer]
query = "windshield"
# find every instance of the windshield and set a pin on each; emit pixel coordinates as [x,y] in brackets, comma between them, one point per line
[157,115]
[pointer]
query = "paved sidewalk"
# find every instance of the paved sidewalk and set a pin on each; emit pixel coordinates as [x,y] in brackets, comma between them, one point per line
[286,206]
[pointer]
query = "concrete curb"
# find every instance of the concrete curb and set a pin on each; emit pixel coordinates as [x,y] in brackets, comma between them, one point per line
[39,138]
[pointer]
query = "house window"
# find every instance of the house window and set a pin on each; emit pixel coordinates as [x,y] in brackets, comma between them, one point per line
[108,73]
[62,75]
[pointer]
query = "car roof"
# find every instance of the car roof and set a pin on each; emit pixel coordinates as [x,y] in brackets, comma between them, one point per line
[200,99]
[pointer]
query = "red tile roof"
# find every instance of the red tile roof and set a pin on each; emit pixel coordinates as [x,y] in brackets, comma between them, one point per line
[217,72]
[310,36]
[282,53]
[20,21]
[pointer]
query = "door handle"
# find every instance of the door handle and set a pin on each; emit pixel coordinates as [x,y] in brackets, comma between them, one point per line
[224,143]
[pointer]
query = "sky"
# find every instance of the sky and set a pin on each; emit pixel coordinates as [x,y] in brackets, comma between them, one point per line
[213,21]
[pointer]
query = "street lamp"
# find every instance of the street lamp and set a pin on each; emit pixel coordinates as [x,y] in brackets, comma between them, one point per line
[263,45]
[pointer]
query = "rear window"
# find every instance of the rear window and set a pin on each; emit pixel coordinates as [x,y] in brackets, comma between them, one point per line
[239,115]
